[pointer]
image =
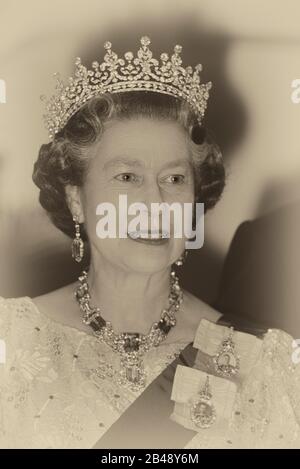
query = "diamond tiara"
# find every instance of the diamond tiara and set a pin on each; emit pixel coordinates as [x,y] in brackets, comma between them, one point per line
[116,74]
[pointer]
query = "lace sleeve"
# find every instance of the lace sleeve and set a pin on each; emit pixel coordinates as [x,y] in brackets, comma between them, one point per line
[13,318]
[6,319]
[285,358]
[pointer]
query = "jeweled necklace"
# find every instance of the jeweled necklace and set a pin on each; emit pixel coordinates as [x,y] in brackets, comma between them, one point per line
[130,345]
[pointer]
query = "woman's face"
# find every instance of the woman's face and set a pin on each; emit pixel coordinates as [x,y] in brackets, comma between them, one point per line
[148,161]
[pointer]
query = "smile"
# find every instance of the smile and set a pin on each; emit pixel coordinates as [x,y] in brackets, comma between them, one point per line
[154,238]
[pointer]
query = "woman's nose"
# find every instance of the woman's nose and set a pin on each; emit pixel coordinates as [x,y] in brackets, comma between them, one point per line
[152,193]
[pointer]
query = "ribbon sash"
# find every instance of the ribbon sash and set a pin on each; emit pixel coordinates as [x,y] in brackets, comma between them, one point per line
[146,422]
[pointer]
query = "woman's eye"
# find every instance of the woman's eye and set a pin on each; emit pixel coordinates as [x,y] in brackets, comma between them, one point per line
[126,177]
[175,179]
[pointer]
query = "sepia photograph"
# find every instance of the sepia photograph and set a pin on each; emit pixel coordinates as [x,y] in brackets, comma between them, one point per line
[149,227]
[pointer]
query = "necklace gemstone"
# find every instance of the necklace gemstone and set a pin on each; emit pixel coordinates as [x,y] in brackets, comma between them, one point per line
[131,346]
[135,373]
[132,342]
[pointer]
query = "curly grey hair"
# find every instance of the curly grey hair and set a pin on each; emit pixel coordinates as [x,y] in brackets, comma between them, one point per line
[63,161]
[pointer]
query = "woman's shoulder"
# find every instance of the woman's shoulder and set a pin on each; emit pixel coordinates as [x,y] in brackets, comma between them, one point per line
[16,309]
[253,342]
[250,345]
[274,341]
[254,379]
[199,308]
[195,309]
[19,319]
[191,312]
[52,303]
[15,305]
[59,307]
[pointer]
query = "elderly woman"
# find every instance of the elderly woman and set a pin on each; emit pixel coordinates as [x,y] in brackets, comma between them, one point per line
[76,363]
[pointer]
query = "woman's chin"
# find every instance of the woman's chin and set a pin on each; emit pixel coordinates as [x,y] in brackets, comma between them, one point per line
[149,256]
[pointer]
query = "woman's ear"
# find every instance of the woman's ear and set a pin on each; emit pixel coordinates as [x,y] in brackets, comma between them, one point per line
[74,201]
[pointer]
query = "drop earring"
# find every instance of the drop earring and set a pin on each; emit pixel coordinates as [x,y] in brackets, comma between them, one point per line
[77,243]
[180,261]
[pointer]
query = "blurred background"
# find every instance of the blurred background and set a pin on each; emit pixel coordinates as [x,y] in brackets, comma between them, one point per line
[250,50]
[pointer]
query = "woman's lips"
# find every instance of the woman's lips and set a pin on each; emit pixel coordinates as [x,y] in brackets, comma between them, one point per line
[161,238]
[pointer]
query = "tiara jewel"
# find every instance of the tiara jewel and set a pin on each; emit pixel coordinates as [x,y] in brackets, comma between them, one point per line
[129,73]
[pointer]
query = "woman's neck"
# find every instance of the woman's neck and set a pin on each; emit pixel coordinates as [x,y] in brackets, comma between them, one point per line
[131,301]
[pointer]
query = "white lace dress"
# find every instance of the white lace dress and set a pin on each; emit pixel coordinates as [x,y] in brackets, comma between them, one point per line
[58,385]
